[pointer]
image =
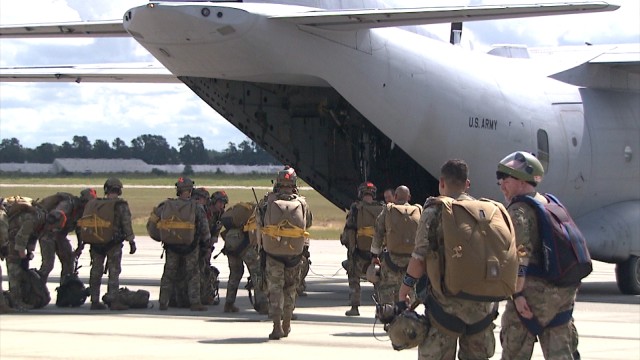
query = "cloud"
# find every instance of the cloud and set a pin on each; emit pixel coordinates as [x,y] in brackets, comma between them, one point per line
[48,112]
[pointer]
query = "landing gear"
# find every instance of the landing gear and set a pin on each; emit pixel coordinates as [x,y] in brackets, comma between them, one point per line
[628,276]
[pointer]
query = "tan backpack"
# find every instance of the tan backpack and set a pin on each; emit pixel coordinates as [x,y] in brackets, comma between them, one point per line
[97,222]
[477,259]
[284,230]
[401,223]
[17,204]
[237,215]
[366,220]
[176,224]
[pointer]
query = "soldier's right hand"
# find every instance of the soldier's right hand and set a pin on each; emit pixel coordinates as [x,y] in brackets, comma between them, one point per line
[22,253]
[78,251]
[375,260]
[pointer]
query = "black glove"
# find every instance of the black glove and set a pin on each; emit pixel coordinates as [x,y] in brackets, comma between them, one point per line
[132,247]
[4,252]
[305,252]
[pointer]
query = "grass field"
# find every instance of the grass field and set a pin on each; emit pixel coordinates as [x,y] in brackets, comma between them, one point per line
[328,220]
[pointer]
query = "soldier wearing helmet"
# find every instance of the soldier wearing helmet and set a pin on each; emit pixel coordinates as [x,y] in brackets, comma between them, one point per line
[518,175]
[283,220]
[115,211]
[357,237]
[64,211]
[4,251]
[183,228]
[442,339]
[395,230]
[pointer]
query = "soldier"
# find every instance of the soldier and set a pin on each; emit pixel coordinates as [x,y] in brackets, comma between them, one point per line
[357,237]
[64,210]
[26,224]
[536,298]
[393,240]
[106,241]
[214,207]
[184,231]
[389,196]
[4,251]
[440,343]
[240,247]
[283,220]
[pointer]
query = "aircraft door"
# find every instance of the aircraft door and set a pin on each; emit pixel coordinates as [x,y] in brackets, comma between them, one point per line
[578,152]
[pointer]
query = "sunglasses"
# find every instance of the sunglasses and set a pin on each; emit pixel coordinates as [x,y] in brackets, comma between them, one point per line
[501,176]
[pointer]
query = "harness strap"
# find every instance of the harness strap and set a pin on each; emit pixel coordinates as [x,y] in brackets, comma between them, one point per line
[453,323]
[367,231]
[284,229]
[393,266]
[535,328]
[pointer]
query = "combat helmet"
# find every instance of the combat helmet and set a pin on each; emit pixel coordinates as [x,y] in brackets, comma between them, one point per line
[522,166]
[200,192]
[184,184]
[113,184]
[88,194]
[220,195]
[407,330]
[365,188]
[286,177]
[373,273]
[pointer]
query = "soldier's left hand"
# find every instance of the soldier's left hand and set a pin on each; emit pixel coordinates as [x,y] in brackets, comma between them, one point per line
[523,307]
[132,247]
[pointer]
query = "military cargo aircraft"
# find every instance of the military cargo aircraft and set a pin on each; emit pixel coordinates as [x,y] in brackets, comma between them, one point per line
[347,91]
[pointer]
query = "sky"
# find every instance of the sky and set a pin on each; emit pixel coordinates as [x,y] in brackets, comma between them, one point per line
[36,113]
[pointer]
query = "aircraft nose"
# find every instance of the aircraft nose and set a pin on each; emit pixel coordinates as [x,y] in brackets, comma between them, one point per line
[171,23]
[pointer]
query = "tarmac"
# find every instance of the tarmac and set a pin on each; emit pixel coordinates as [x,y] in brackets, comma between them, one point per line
[608,322]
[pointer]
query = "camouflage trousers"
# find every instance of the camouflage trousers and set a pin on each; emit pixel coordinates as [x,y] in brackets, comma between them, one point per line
[305,266]
[438,345]
[356,270]
[169,275]
[545,301]
[15,273]
[281,286]
[2,300]
[251,258]
[114,268]
[52,244]
[390,280]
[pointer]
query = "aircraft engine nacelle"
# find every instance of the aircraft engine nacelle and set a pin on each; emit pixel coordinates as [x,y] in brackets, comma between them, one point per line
[613,231]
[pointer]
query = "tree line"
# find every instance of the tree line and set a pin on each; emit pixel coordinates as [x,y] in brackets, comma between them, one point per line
[152,149]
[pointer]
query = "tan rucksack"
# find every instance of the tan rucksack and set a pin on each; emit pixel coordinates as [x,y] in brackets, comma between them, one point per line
[176,224]
[477,259]
[97,222]
[401,223]
[284,229]
[366,220]
[17,204]
[237,215]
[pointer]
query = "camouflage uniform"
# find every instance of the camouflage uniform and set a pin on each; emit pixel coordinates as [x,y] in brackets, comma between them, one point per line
[237,259]
[544,299]
[441,343]
[282,274]
[357,259]
[190,254]
[55,242]
[112,253]
[24,230]
[393,266]
[4,248]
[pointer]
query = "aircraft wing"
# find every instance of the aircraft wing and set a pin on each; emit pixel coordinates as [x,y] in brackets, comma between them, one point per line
[334,20]
[357,19]
[104,73]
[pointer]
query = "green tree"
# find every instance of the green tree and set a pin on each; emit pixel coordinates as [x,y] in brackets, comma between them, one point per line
[46,153]
[153,149]
[11,151]
[102,150]
[192,150]
[120,149]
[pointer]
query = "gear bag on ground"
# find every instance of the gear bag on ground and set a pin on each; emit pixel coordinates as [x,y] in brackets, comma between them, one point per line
[72,292]
[477,259]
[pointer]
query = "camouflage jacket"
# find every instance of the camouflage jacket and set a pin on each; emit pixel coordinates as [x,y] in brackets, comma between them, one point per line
[25,228]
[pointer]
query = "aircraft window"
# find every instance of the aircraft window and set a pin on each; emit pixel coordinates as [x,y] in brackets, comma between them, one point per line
[543,149]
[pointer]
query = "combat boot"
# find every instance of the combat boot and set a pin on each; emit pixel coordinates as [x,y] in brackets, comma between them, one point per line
[199,307]
[229,307]
[118,306]
[277,332]
[97,305]
[353,311]
[164,307]
[286,325]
